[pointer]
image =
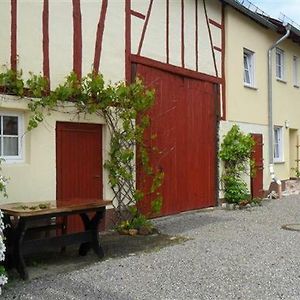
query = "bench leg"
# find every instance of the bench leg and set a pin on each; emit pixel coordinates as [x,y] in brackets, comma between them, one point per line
[64,231]
[92,225]
[18,251]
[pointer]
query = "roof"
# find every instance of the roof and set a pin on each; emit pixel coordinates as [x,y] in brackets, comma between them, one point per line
[253,12]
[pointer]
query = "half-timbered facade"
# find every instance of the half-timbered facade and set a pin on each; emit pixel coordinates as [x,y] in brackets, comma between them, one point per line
[176,46]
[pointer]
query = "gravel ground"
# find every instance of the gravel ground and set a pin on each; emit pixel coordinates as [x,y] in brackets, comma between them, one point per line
[230,255]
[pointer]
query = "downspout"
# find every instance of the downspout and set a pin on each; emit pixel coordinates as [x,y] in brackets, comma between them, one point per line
[270,108]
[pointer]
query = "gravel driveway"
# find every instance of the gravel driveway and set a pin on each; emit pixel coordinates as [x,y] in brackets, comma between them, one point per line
[230,255]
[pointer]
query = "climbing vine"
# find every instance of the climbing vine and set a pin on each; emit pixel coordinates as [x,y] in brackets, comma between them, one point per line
[124,109]
[235,152]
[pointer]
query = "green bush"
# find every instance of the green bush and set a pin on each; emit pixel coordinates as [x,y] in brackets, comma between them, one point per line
[235,189]
[235,152]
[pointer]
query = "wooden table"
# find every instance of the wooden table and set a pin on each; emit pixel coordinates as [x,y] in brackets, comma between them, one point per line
[23,218]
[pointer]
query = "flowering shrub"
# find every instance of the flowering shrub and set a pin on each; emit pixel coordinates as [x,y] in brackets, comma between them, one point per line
[3,277]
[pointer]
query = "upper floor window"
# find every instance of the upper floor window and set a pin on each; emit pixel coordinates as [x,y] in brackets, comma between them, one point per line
[248,68]
[279,64]
[278,144]
[11,136]
[295,71]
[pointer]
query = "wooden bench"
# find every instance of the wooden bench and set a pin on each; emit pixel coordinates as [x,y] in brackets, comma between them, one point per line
[21,222]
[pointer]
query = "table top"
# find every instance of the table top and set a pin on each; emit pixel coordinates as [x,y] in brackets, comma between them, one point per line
[27,209]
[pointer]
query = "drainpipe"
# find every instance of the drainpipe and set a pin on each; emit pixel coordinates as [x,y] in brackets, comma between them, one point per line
[270,109]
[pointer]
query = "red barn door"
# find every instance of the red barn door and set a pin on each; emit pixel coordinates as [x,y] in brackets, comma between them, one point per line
[78,165]
[184,120]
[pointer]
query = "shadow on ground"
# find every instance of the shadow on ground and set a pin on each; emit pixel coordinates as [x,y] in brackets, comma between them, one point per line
[114,245]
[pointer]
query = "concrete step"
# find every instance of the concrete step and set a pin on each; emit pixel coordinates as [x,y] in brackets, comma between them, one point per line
[292,187]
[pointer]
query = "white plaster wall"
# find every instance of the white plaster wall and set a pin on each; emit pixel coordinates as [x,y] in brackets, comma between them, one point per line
[29,37]
[175,33]
[90,14]
[5,34]
[189,35]
[35,178]
[137,24]
[154,45]
[60,40]
[206,62]
[112,63]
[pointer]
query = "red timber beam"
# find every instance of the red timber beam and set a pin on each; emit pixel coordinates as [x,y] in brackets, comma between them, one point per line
[182,34]
[46,67]
[99,36]
[138,14]
[77,39]
[174,69]
[167,31]
[145,27]
[196,35]
[223,117]
[213,22]
[217,49]
[13,32]
[210,38]
[128,41]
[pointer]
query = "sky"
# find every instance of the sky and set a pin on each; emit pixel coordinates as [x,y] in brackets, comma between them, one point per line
[290,8]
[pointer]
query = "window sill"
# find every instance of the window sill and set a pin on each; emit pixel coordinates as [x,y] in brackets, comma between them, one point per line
[281,80]
[251,87]
[279,161]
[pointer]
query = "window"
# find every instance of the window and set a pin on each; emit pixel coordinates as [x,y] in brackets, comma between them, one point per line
[248,68]
[279,64]
[11,136]
[278,144]
[295,71]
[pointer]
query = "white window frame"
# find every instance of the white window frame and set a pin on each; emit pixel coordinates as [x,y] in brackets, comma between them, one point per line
[280,157]
[279,64]
[249,55]
[296,71]
[20,156]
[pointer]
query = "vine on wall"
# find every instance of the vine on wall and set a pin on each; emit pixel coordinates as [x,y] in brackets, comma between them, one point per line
[120,105]
[235,152]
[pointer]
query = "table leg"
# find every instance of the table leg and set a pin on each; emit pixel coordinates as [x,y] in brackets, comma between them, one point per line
[92,225]
[17,249]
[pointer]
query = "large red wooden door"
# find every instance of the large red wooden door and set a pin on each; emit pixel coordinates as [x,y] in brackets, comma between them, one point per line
[78,165]
[184,120]
[257,190]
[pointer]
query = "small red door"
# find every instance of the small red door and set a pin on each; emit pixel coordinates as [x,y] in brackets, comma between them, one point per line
[257,190]
[78,165]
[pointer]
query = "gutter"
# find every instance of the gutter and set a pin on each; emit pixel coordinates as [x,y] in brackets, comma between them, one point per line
[262,20]
[270,107]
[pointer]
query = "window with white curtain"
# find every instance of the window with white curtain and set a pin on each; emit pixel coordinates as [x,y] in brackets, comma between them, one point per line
[295,71]
[279,64]
[11,131]
[278,144]
[248,68]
